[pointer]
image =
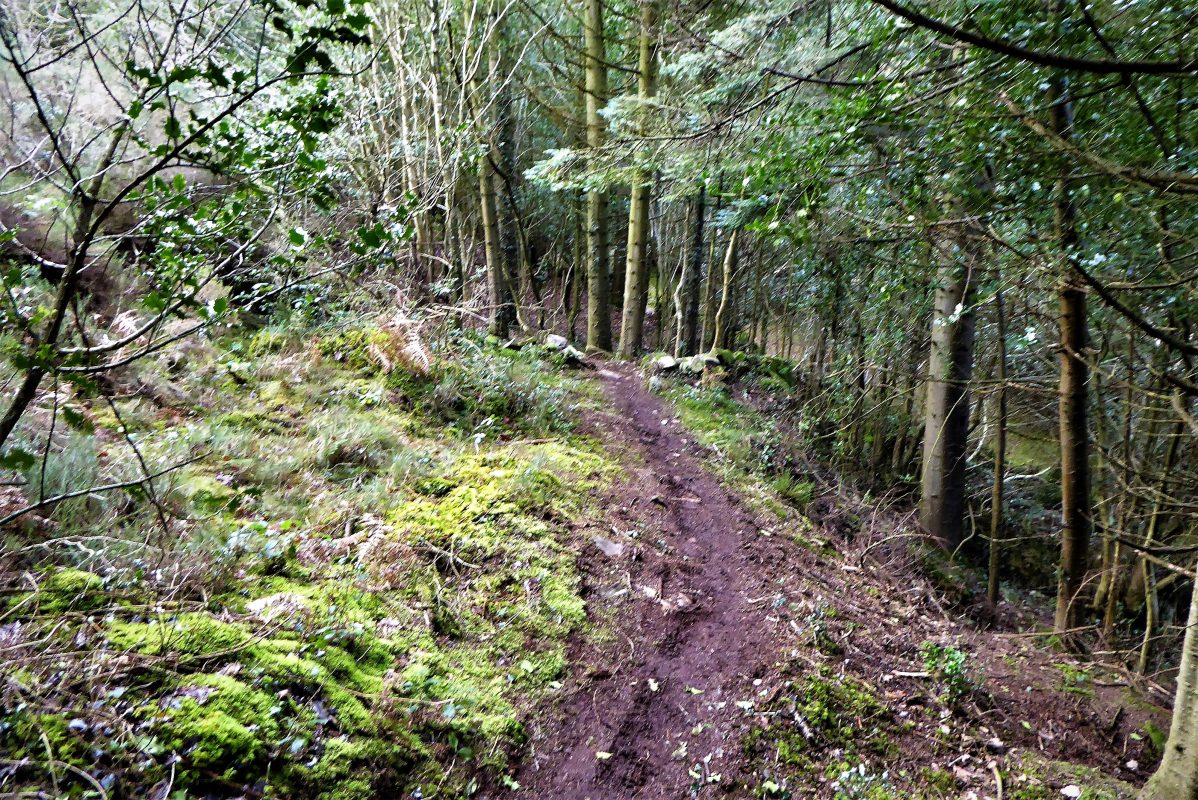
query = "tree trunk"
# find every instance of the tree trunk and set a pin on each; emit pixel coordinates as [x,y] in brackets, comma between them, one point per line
[598,288]
[497,322]
[497,286]
[636,262]
[729,274]
[946,409]
[1000,457]
[1074,380]
[687,342]
[1177,776]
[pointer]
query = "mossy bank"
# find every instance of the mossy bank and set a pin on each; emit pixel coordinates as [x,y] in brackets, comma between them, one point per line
[365,582]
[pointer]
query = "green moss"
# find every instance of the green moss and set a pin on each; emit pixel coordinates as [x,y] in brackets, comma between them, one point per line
[259,421]
[360,768]
[71,590]
[1033,778]
[454,576]
[192,634]
[357,349]
[939,781]
[66,744]
[208,495]
[243,703]
[266,341]
[208,738]
[844,711]
[560,594]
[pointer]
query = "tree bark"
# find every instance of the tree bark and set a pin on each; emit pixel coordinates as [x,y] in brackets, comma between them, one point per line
[598,288]
[636,262]
[1000,457]
[719,332]
[1177,776]
[946,411]
[1073,390]
[497,285]
[687,341]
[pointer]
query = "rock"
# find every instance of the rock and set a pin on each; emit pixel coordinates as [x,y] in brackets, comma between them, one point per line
[608,547]
[996,746]
[283,604]
[573,354]
[1072,791]
[556,342]
[700,362]
[665,363]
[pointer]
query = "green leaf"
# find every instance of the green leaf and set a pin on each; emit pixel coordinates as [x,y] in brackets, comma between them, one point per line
[372,236]
[154,302]
[76,419]
[17,459]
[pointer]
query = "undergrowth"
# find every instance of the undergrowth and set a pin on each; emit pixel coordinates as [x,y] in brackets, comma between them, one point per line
[748,449]
[354,590]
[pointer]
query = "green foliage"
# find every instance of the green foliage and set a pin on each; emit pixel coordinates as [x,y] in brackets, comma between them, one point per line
[951,667]
[799,493]
[1076,680]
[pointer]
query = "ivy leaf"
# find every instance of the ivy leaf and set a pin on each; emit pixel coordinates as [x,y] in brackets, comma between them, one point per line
[17,459]
[373,235]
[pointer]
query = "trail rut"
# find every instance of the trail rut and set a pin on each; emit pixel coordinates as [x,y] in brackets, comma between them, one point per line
[658,716]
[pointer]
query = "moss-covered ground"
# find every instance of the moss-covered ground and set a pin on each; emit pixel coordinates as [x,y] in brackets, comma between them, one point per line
[358,589]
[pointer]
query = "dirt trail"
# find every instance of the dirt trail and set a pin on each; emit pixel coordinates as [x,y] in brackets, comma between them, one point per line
[712,614]
[696,632]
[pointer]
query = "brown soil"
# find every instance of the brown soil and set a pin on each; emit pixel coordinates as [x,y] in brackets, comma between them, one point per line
[712,608]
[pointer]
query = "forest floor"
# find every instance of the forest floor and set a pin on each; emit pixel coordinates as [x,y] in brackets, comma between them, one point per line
[762,657]
[504,574]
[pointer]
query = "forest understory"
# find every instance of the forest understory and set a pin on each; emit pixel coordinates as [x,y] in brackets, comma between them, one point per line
[598,400]
[512,572]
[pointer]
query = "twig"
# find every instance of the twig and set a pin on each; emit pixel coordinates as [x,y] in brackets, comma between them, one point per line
[108,487]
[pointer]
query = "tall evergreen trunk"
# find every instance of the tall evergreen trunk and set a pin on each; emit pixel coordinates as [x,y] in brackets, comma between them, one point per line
[598,288]
[711,294]
[498,321]
[687,304]
[1000,456]
[576,268]
[1073,392]
[946,409]
[636,261]
[515,261]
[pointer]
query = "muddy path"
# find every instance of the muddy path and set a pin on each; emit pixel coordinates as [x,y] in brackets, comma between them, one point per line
[683,567]
[707,613]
